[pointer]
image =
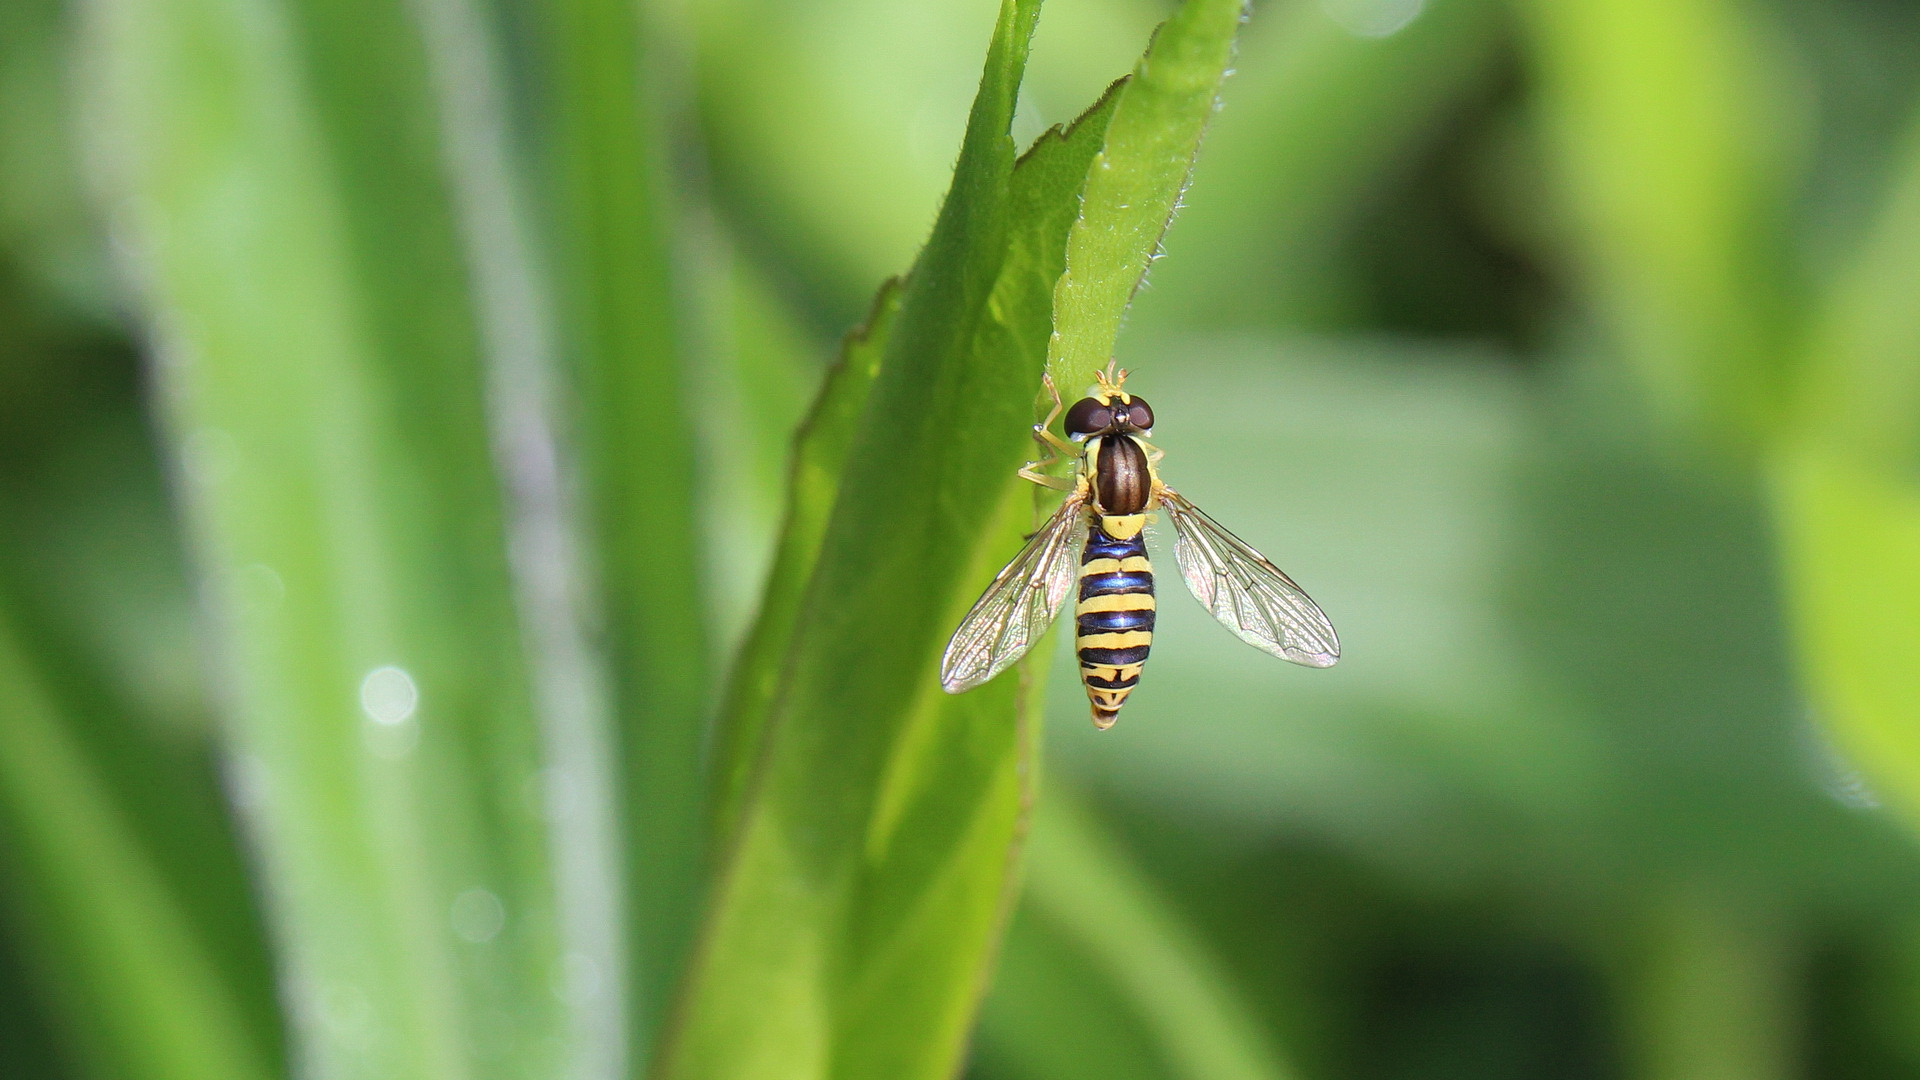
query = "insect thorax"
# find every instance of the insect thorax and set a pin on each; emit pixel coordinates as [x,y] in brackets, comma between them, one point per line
[1121,477]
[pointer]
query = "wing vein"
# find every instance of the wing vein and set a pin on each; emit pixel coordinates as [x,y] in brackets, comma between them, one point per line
[1019,605]
[1245,592]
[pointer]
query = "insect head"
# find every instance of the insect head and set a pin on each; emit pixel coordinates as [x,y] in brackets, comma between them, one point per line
[1112,411]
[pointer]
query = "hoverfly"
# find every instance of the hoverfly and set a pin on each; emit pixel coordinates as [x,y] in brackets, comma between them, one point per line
[1104,518]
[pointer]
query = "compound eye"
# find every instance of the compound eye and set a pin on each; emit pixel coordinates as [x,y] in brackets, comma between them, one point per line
[1087,416]
[1140,414]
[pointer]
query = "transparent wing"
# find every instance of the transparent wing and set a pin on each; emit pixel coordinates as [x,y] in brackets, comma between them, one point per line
[1248,594]
[1020,604]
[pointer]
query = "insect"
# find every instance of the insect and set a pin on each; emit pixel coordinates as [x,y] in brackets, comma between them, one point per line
[1114,486]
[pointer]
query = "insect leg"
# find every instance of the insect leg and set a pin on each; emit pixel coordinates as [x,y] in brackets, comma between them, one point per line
[1043,431]
[1058,449]
[1031,471]
[1046,380]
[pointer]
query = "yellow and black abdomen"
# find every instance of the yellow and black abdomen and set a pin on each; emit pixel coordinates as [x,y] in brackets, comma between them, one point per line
[1114,617]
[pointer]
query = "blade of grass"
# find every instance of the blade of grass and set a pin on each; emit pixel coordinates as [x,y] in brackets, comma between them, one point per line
[277,181]
[93,587]
[953,799]
[614,257]
[521,346]
[142,990]
[1136,182]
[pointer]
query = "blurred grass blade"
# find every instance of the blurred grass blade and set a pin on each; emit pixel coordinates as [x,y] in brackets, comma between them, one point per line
[1135,184]
[605,60]
[143,992]
[1849,505]
[520,344]
[311,304]
[1667,137]
[1084,891]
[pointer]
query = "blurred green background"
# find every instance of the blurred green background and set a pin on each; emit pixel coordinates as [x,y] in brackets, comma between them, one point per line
[1566,353]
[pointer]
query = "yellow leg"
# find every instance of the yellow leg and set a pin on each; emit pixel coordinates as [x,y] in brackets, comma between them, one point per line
[1057,483]
[1058,449]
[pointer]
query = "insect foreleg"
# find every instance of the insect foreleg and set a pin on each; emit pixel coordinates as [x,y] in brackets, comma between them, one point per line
[1058,449]
[1046,380]
[1043,431]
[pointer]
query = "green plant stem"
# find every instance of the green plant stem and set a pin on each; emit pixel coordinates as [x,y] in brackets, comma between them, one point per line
[1705,994]
[1087,890]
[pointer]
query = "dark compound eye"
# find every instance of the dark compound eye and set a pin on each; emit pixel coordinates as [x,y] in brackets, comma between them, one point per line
[1087,416]
[1140,414]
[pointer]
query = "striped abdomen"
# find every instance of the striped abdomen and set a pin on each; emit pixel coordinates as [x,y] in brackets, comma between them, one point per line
[1115,617]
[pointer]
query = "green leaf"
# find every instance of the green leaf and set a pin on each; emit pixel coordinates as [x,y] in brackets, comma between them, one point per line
[851,933]
[1848,501]
[1850,536]
[1666,128]
[857,927]
[321,292]
[1135,184]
